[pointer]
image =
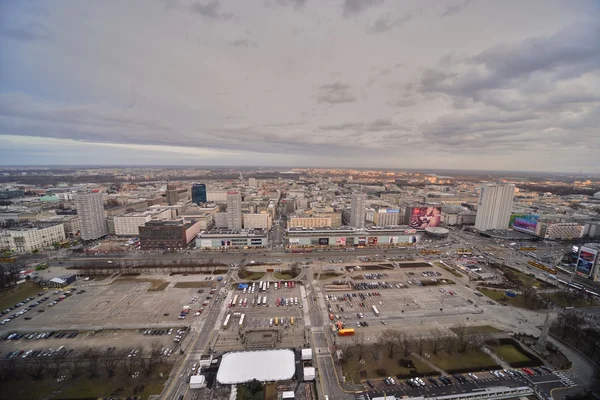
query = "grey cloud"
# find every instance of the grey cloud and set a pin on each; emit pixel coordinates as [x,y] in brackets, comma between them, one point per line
[378,125]
[569,53]
[335,86]
[297,4]
[404,103]
[342,126]
[23,116]
[335,93]
[352,7]
[31,31]
[210,10]
[454,8]
[485,128]
[245,42]
[385,23]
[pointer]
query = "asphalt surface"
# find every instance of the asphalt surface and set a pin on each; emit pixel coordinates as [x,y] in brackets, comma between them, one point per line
[201,333]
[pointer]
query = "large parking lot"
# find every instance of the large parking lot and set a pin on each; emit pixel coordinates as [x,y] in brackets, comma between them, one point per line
[399,294]
[401,303]
[66,342]
[279,318]
[115,304]
[282,304]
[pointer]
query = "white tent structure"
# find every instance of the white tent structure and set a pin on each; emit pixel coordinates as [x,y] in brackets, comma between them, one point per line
[262,365]
[306,354]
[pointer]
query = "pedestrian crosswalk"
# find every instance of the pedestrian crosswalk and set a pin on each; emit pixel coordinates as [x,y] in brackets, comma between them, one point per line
[564,378]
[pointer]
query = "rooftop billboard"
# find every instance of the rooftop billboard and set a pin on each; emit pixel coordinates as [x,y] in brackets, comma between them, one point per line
[525,224]
[585,261]
[425,217]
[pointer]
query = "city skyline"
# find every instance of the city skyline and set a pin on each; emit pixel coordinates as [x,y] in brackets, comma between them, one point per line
[354,83]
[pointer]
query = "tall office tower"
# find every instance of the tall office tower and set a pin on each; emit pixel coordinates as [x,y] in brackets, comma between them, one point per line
[234,210]
[494,206]
[252,182]
[92,218]
[172,194]
[358,210]
[198,193]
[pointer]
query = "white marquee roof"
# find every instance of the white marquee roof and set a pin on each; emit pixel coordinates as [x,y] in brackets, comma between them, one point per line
[262,365]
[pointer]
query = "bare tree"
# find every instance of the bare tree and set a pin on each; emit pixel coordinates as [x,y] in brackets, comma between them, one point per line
[35,368]
[127,362]
[74,365]
[449,343]
[93,361]
[376,350]
[569,323]
[406,343]
[359,344]
[387,337]
[55,365]
[479,340]
[110,361]
[420,343]
[436,341]
[10,369]
[464,337]
[347,354]
[529,293]
[151,358]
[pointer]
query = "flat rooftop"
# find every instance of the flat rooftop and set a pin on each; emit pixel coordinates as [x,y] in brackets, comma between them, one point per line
[240,367]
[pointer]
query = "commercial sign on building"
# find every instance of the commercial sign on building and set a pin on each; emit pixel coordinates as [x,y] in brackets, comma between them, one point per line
[585,261]
[526,224]
[425,217]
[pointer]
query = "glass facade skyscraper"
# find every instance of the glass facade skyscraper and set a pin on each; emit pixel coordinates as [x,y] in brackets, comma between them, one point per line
[198,193]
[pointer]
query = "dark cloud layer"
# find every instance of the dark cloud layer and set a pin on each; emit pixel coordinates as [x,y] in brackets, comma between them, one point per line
[353,7]
[210,10]
[335,93]
[386,23]
[455,8]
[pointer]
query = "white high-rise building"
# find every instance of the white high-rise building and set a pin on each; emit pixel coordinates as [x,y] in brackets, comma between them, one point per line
[92,218]
[358,208]
[234,210]
[252,182]
[494,206]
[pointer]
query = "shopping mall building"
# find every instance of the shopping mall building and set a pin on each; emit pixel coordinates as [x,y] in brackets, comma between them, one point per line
[306,239]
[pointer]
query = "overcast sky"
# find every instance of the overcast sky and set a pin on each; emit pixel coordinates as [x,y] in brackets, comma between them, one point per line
[510,85]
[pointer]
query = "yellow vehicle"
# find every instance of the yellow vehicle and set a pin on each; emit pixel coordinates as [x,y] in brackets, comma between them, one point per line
[276,321]
[292,320]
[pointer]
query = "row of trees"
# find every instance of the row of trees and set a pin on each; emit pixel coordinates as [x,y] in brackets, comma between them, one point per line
[572,327]
[151,263]
[396,342]
[9,274]
[91,363]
